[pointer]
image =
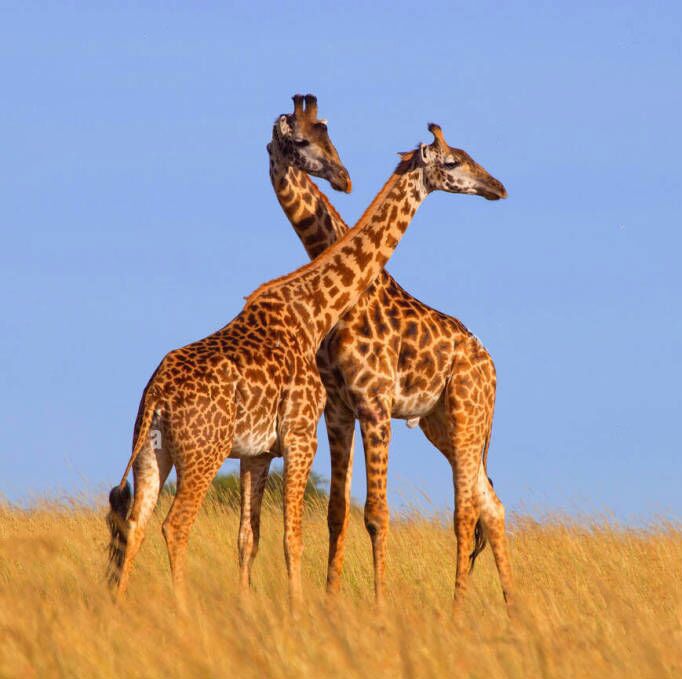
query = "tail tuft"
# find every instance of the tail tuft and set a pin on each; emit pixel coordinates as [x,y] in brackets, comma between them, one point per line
[480,540]
[120,499]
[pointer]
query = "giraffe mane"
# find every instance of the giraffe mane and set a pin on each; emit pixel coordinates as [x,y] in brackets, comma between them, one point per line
[330,252]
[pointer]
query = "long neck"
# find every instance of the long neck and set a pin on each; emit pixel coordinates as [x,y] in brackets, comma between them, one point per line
[316,222]
[321,292]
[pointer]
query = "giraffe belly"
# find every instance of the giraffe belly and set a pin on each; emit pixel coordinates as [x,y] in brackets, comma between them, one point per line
[411,403]
[409,406]
[250,440]
[407,401]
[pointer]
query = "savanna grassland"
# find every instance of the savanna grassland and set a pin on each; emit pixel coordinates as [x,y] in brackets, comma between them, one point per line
[592,601]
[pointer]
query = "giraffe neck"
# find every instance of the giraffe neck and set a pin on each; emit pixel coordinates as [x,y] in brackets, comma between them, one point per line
[316,222]
[321,292]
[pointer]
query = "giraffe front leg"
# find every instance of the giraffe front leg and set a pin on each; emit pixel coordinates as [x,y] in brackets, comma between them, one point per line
[253,475]
[340,430]
[298,448]
[376,436]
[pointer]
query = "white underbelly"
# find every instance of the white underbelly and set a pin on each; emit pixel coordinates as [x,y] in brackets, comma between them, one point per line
[250,443]
[414,405]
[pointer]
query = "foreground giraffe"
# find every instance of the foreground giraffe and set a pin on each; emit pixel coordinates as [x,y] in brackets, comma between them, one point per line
[246,388]
[392,356]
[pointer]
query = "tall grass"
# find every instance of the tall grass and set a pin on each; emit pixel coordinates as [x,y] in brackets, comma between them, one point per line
[593,601]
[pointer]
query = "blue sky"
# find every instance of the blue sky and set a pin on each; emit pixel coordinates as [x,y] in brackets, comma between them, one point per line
[137,211]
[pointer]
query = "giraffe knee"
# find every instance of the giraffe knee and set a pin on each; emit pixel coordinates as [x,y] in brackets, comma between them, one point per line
[376,520]
[293,549]
[372,528]
[246,542]
[493,518]
[170,534]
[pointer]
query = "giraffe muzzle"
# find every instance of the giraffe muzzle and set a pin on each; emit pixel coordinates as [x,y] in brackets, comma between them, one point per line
[492,189]
[341,181]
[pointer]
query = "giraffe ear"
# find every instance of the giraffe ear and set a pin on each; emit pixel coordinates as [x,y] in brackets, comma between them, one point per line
[424,153]
[283,125]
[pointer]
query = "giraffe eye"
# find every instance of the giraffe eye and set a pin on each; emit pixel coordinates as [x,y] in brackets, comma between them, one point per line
[451,165]
[301,142]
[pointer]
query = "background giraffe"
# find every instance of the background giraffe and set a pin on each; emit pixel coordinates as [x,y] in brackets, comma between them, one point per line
[390,356]
[253,385]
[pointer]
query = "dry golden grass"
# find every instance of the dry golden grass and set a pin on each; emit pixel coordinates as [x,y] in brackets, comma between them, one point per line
[592,602]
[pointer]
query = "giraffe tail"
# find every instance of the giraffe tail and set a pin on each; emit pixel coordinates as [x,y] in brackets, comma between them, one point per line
[120,500]
[480,539]
[120,496]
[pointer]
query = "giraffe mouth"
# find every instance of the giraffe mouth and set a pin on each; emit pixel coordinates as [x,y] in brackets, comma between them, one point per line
[490,195]
[340,181]
[492,190]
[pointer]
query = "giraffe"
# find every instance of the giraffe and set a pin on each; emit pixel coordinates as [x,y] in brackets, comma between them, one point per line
[393,356]
[253,385]
[188,409]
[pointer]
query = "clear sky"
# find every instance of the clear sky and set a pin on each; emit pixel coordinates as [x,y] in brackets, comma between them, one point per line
[136,212]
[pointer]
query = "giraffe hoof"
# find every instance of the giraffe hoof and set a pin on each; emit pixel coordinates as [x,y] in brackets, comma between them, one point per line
[412,422]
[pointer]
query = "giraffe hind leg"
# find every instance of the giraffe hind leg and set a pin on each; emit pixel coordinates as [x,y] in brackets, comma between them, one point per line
[193,483]
[198,453]
[479,514]
[492,519]
[435,428]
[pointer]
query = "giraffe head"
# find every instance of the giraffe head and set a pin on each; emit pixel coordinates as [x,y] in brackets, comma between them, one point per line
[303,142]
[454,170]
